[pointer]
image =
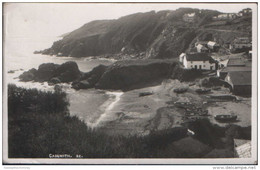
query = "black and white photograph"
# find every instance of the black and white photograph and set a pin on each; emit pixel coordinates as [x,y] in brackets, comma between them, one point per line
[129,83]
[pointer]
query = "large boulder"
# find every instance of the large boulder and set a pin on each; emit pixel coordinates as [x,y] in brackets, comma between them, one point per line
[88,80]
[53,73]
[46,71]
[54,81]
[68,72]
[28,75]
[84,84]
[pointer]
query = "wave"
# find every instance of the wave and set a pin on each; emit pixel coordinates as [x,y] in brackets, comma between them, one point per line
[106,109]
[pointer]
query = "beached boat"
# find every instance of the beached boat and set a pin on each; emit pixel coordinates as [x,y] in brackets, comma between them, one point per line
[145,94]
[180,90]
[225,117]
[201,91]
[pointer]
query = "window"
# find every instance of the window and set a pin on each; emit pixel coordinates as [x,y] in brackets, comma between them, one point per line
[191,62]
[191,66]
[203,61]
[204,66]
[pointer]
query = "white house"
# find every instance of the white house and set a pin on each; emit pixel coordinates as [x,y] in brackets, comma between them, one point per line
[201,61]
[213,45]
[189,17]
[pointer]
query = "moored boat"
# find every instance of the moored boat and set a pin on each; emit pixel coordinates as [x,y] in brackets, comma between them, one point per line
[201,91]
[226,117]
[180,90]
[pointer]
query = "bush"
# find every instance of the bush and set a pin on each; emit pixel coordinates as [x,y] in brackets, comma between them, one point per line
[39,124]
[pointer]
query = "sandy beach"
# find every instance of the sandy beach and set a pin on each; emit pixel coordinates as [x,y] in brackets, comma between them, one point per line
[132,114]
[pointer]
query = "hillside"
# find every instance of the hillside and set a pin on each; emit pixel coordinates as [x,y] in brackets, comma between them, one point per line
[162,34]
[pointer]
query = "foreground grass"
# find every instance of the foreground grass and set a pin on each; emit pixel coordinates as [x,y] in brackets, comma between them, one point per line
[39,124]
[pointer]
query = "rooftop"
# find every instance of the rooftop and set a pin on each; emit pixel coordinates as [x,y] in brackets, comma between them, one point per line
[231,69]
[244,150]
[190,15]
[235,62]
[212,43]
[241,77]
[201,47]
[199,57]
[202,42]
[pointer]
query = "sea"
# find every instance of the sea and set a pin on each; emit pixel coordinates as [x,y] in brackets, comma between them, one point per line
[90,105]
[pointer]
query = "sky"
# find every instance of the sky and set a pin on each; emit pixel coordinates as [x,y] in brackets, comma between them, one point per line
[54,19]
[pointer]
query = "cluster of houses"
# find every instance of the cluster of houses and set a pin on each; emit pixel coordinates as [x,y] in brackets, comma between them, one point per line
[206,46]
[238,74]
[190,17]
[241,43]
[230,16]
[235,70]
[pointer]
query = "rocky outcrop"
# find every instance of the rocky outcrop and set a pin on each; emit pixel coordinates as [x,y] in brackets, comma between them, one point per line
[132,74]
[126,75]
[89,80]
[53,73]
[122,75]
[28,75]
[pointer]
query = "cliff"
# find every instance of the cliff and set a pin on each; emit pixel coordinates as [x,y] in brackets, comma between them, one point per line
[162,34]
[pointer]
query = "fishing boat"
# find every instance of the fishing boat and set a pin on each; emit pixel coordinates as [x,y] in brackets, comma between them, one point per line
[226,117]
[201,91]
[180,90]
[145,94]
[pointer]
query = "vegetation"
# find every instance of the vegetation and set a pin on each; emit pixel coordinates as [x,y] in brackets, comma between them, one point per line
[39,124]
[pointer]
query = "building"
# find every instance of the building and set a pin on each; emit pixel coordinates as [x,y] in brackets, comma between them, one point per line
[240,14]
[225,16]
[189,17]
[202,49]
[240,82]
[213,46]
[246,11]
[201,61]
[242,148]
[181,57]
[249,56]
[241,43]
[222,73]
[204,43]
[236,62]
[201,46]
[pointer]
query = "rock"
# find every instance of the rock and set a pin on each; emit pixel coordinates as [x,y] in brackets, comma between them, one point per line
[57,89]
[131,74]
[28,75]
[88,80]
[46,71]
[68,72]
[84,84]
[54,80]
[212,82]
[53,73]
[11,71]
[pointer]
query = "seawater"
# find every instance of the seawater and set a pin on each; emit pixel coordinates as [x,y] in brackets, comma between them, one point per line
[89,105]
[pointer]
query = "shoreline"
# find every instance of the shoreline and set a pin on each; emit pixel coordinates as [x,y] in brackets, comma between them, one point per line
[105,108]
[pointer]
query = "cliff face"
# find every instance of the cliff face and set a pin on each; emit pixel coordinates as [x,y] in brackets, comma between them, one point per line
[161,34]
